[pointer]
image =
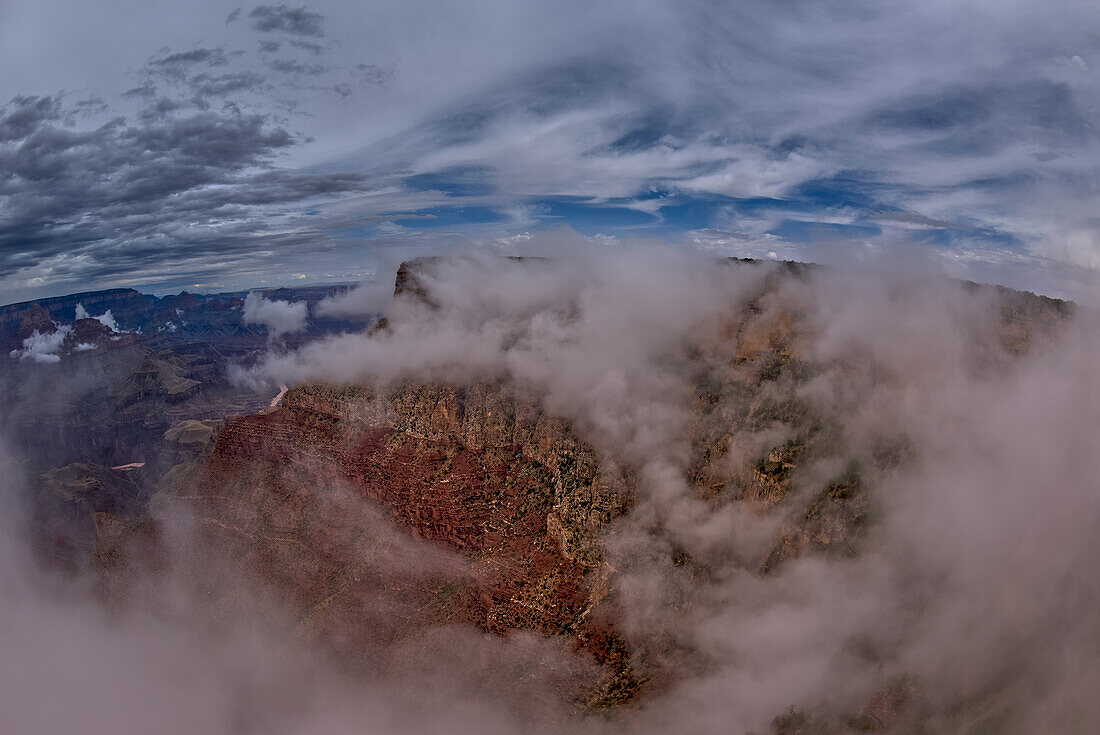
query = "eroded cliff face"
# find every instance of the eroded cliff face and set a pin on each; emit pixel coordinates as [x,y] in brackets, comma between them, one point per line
[382,513]
[385,513]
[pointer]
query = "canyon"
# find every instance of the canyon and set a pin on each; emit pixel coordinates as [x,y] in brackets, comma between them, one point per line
[379,512]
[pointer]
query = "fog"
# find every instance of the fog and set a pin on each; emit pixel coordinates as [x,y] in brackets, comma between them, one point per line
[968,595]
[280,317]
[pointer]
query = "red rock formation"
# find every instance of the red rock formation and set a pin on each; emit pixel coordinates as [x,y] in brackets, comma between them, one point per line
[503,502]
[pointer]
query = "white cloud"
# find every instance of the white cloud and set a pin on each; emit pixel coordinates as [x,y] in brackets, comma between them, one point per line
[980,538]
[280,317]
[107,319]
[43,347]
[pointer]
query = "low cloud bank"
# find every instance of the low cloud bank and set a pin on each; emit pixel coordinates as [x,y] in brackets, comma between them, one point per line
[177,652]
[367,298]
[981,526]
[106,318]
[280,317]
[968,414]
[43,347]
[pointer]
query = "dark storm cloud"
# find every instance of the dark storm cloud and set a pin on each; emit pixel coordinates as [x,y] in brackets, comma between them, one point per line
[25,114]
[202,77]
[372,73]
[189,73]
[291,66]
[312,48]
[160,107]
[180,63]
[221,85]
[146,91]
[179,178]
[178,184]
[282,18]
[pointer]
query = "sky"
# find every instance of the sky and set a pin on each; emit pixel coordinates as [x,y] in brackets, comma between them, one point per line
[202,146]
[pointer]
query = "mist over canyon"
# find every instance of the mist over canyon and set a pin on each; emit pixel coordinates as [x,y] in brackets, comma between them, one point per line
[587,489]
[531,366]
